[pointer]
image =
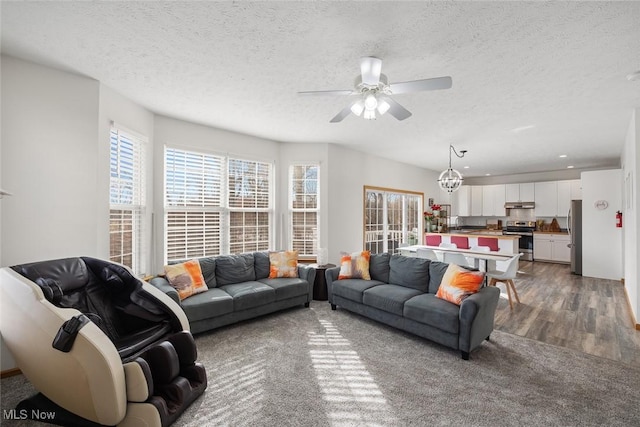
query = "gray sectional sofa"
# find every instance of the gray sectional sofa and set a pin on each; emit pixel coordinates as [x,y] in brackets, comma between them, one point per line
[401,293]
[240,289]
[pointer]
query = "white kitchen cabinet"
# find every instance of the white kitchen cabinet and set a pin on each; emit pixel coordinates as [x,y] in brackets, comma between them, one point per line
[493,198]
[520,192]
[564,198]
[476,200]
[576,189]
[546,199]
[551,247]
[463,201]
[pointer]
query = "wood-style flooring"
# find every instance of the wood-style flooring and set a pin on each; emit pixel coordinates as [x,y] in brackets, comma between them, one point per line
[581,313]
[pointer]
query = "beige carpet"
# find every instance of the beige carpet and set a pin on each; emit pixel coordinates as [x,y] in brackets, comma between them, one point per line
[317,367]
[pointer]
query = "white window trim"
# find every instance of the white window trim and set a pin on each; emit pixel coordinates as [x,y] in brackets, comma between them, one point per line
[292,210]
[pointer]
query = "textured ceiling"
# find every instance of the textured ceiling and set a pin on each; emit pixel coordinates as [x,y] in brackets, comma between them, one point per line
[531,81]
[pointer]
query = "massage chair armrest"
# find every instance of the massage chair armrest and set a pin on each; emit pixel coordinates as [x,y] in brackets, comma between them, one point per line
[163,284]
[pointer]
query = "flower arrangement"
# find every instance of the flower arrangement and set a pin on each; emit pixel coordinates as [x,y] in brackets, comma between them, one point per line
[436,207]
[429,216]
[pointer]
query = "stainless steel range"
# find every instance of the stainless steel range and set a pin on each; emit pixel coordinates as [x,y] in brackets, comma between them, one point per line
[525,230]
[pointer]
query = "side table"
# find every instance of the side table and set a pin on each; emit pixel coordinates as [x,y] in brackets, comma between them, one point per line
[320,284]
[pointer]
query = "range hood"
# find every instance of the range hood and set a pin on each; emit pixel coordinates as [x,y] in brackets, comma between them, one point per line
[519,205]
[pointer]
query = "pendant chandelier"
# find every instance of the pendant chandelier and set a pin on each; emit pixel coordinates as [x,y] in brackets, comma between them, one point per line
[450,180]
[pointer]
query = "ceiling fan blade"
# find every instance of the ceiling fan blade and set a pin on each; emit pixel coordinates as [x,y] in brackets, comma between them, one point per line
[396,110]
[418,85]
[342,114]
[370,68]
[326,92]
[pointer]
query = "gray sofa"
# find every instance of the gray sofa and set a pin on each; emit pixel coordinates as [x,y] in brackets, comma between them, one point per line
[239,289]
[401,293]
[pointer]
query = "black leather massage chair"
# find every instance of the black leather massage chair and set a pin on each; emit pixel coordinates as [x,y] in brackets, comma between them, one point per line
[102,347]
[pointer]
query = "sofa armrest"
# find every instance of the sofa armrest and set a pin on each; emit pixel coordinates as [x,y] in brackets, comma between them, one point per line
[331,275]
[477,313]
[307,273]
[163,284]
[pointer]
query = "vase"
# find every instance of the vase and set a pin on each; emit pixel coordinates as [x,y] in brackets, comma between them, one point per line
[428,226]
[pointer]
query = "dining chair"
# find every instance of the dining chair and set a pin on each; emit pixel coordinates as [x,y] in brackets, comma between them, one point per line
[476,261]
[506,277]
[426,253]
[456,258]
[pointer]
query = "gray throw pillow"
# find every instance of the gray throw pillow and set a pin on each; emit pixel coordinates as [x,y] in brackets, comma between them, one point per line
[379,267]
[232,269]
[262,265]
[410,272]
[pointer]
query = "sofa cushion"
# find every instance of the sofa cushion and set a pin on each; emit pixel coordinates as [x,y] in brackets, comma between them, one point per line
[232,269]
[214,302]
[354,265]
[287,287]
[390,298]
[436,273]
[208,267]
[249,294]
[186,278]
[261,264]
[283,264]
[352,289]
[433,311]
[409,272]
[379,267]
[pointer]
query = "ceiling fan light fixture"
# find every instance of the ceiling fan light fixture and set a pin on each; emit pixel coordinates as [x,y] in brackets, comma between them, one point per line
[370,114]
[450,180]
[370,101]
[357,108]
[383,106]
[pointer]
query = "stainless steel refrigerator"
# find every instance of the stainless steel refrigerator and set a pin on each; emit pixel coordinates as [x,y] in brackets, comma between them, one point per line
[574,224]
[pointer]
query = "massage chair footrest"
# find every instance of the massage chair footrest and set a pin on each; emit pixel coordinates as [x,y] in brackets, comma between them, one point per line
[39,408]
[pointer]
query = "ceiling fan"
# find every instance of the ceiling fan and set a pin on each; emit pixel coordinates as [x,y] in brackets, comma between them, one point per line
[372,91]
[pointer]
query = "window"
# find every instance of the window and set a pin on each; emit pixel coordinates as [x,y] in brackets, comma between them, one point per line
[304,208]
[127,200]
[215,205]
[391,218]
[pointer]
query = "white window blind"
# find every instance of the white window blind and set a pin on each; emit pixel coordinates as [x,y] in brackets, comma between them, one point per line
[391,218]
[127,200]
[304,208]
[215,205]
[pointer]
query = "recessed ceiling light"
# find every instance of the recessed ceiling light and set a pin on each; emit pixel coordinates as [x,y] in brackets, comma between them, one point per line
[521,128]
[466,167]
[569,167]
[633,76]
[487,174]
[562,155]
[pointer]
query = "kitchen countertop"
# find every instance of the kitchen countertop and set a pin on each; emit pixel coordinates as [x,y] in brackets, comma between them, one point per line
[476,233]
[550,232]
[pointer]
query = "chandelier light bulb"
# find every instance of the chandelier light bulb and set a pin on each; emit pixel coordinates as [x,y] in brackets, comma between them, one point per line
[450,180]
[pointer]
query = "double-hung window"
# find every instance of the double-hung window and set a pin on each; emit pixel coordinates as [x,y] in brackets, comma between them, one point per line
[127,205]
[391,218]
[304,208]
[215,205]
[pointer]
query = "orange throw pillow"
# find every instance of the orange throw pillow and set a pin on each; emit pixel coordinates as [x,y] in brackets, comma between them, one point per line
[283,264]
[186,278]
[458,283]
[355,266]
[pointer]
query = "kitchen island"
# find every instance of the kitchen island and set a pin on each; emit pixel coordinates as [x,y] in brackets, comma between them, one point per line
[507,244]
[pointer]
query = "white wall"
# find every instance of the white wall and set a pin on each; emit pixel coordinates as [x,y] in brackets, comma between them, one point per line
[49,160]
[631,192]
[349,171]
[601,240]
